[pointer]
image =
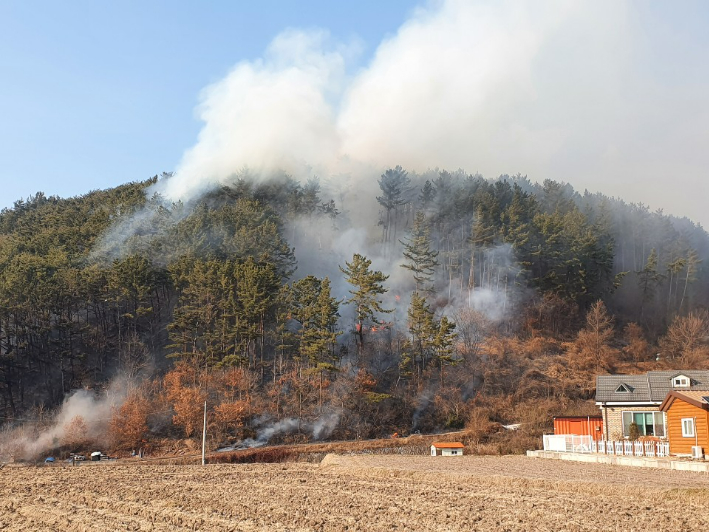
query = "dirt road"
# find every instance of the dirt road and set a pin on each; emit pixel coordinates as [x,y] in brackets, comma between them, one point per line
[367,493]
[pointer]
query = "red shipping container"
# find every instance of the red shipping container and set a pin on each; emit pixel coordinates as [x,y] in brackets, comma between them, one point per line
[580,425]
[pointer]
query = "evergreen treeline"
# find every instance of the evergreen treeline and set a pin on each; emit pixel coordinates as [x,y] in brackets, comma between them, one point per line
[509,297]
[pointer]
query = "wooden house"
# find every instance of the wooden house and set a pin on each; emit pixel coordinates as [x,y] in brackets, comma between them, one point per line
[686,421]
[447,449]
[627,399]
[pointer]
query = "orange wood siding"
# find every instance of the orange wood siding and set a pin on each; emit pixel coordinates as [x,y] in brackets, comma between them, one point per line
[583,425]
[681,410]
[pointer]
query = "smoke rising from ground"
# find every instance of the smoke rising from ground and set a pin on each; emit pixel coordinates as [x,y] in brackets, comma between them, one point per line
[319,429]
[83,417]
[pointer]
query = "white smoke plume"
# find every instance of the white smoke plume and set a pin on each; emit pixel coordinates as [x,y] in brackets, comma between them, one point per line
[488,87]
[271,114]
[83,415]
[425,100]
[320,429]
[284,426]
[324,426]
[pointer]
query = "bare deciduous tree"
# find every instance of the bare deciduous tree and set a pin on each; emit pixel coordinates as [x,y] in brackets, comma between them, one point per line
[591,348]
[687,339]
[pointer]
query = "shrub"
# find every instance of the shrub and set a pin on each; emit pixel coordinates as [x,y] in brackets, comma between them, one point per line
[634,432]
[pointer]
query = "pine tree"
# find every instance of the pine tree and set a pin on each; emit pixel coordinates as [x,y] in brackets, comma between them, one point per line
[556,197]
[483,234]
[673,268]
[366,294]
[431,339]
[407,363]
[395,187]
[317,313]
[311,196]
[517,222]
[427,195]
[648,279]
[417,250]
[422,328]
[256,291]
[444,344]
[692,262]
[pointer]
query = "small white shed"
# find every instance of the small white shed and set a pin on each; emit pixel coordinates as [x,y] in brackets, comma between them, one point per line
[447,449]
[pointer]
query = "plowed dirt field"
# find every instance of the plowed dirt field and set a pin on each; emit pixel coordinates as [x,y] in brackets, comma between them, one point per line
[367,493]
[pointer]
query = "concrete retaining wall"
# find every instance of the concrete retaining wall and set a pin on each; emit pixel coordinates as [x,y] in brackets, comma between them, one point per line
[636,461]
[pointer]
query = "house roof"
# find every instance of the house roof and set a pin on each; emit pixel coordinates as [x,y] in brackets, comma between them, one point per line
[698,398]
[448,445]
[649,388]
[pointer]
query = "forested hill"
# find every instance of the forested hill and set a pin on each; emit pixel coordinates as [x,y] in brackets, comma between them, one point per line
[430,301]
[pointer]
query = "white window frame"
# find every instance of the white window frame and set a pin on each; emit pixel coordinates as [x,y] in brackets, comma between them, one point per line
[687,425]
[654,412]
[681,381]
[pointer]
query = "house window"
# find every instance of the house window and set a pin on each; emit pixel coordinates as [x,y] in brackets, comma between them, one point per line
[454,452]
[681,381]
[688,425]
[649,423]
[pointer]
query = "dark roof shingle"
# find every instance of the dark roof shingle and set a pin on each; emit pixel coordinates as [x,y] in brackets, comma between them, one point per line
[651,387]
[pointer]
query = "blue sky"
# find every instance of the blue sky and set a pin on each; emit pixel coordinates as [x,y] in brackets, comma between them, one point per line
[610,96]
[95,94]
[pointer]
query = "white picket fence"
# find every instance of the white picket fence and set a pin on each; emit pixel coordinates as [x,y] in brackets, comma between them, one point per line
[631,448]
[573,443]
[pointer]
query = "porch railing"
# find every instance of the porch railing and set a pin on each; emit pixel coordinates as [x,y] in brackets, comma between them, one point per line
[650,449]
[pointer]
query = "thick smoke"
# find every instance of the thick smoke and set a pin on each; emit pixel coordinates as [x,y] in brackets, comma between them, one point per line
[83,417]
[548,89]
[488,87]
[425,100]
[275,113]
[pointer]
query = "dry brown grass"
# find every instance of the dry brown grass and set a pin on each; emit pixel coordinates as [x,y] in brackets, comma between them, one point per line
[411,445]
[367,493]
